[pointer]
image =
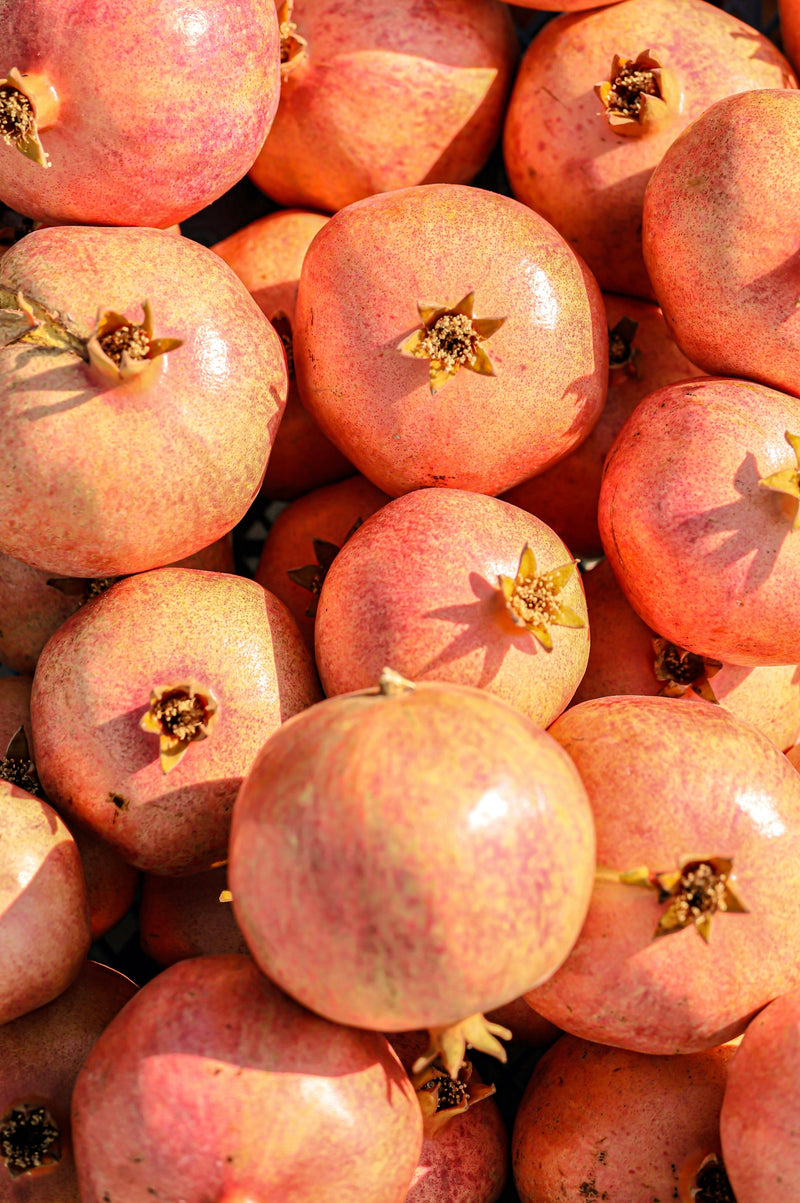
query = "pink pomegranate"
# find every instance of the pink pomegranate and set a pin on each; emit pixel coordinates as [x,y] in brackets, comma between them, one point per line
[94,131]
[267,256]
[599,98]
[450,798]
[463,345]
[190,916]
[151,388]
[696,510]
[691,925]
[717,239]
[303,540]
[790,28]
[385,95]
[597,1121]
[487,596]
[218,1086]
[150,703]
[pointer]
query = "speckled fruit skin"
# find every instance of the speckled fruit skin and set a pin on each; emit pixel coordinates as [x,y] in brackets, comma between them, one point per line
[211,1047]
[723,200]
[267,256]
[565,161]
[622,659]
[417,587]
[93,683]
[387,97]
[102,480]
[667,780]
[468,810]
[182,917]
[41,1054]
[758,1124]
[600,1122]
[366,271]
[141,139]
[44,912]
[705,555]
[329,514]
[565,496]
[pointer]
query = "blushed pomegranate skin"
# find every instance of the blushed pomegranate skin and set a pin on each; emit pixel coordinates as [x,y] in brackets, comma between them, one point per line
[566,162]
[93,684]
[388,95]
[731,303]
[41,1053]
[449,795]
[141,139]
[182,917]
[669,780]
[104,479]
[210,1048]
[706,555]
[596,1120]
[790,29]
[760,1140]
[367,270]
[417,587]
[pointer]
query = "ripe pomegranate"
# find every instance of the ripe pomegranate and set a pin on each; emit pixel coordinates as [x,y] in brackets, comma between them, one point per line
[187,1073]
[597,1121]
[191,916]
[696,509]
[104,416]
[626,656]
[150,703]
[303,540]
[463,345]
[267,256]
[697,814]
[790,29]
[109,135]
[722,202]
[385,95]
[488,596]
[452,798]
[599,98]
[643,356]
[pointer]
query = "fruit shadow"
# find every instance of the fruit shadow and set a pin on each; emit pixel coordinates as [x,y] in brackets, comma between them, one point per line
[52,380]
[780,284]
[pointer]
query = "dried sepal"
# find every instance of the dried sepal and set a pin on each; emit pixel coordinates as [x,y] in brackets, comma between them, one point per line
[26,320]
[682,671]
[449,1044]
[441,1097]
[788,479]
[532,597]
[639,95]
[28,105]
[293,44]
[451,339]
[391,683]
[119,349]
[312,576]
[179,715]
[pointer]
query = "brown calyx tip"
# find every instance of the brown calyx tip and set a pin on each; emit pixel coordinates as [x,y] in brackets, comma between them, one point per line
[119,349]
[451,339]
[787,480]
[532,598]
[28,104]
[17,767]
[312,576]
[293,45]
[29,1139]
[180,715]
[442,1097]
[639,94]
[682,671]
[699,888]
[448,1044]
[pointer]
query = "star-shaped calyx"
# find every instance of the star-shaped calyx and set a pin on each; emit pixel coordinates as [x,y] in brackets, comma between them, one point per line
[681,671]
[451,339]
[532,598]
[448,1045]
[28,105]
[312,576]
[441,1097]
[639,94]
[120,349]
[788,479]
[179,715]
[293,45]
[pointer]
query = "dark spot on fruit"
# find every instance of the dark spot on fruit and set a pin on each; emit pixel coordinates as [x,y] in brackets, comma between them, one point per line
[118,801]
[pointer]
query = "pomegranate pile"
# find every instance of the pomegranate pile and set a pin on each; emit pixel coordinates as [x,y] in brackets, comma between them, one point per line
[448,851]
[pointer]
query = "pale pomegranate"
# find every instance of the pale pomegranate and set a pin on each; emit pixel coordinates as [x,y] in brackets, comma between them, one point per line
[97,131]
[384,94]
[448,336]
[445,585]
[143,420]
[599,98]
[692,923]
[218,1086]
[189,916]
[718,239]
[150,703]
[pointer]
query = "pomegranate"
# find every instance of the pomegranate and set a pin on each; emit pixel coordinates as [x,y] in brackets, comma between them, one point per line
[599,98]
[790,29]
[691,925]
[463,345]
[488,596]
[187,1073]
[151,388]
[150,703]
[428,806]
[384,95]
[191,916]
[696,510]
[93,130]
[722,203]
